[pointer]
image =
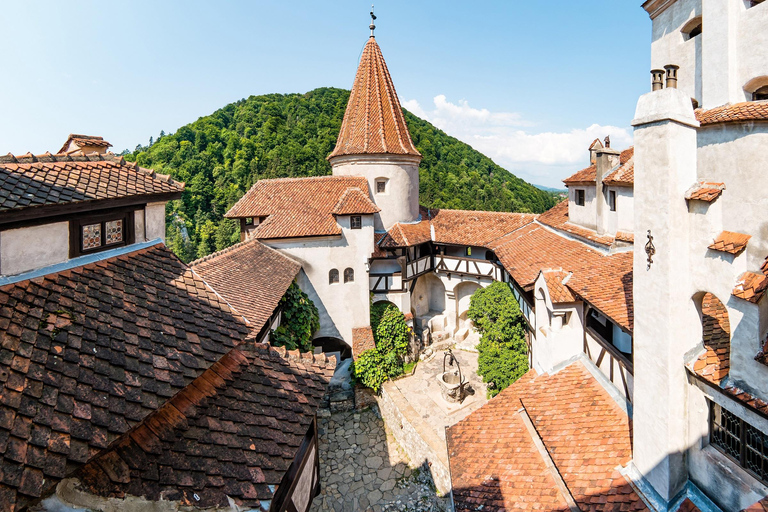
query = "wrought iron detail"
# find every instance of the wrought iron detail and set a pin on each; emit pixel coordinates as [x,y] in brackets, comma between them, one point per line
[650,249]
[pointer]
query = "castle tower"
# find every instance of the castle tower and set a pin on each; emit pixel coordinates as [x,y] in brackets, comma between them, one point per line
[374,142]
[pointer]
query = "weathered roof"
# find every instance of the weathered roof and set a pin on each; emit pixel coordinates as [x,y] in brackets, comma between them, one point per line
[558,292]
[355,201]
[84,141]
[624,174]
[738,112]
[557,217]
[45,181]
[751,286]
[464,227]
[705,191]
[496,465]
[730,242]
[586,175]
[250,276]
[232,433]
[88,353]
[297,207]
[373,122]
[714,363]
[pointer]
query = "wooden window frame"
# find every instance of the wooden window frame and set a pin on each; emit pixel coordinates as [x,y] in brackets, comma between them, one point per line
[744,445]
[356,222]
[76,231]
[580,197]
[612,200]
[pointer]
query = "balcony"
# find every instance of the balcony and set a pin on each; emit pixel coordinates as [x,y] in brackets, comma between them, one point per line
[420,266]
[386,282]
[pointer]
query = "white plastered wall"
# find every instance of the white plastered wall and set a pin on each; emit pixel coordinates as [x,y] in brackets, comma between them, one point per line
[154,221]
[342,306]
[558,333]
[400,201]
[583,215]
[33,247]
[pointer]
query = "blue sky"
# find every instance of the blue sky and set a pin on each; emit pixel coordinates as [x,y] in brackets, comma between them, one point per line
[528,83]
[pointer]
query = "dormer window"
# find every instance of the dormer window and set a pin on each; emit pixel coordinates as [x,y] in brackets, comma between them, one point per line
[356,222]
[99,233]
[761,94]
[579,197]
[692,28]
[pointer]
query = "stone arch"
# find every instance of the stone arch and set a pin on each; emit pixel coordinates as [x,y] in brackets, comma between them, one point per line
[463,292]
[428,295]
[714,363]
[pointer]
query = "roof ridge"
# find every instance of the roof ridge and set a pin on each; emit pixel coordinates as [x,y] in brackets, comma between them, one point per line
[320,360]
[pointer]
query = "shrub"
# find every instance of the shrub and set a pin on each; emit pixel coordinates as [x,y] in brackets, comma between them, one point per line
[369,369]
[300,320]
[391,334]
[502,349]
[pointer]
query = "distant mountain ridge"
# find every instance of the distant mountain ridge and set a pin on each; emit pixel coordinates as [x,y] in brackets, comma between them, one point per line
[289,135]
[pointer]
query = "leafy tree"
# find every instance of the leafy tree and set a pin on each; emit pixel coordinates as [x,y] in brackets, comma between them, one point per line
[502,349]
[391,335]
[221,155]
[300,320]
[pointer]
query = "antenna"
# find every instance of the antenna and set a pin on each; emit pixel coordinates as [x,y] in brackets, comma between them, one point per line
[372,26]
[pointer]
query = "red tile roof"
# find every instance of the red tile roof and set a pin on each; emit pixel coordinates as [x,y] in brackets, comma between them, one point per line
[730,242]
[496,466]
[760,506]
[624,175]
[296,207]
[46,180]
[378,251]
[714,363]
[232,433]
[373,122]
[587,175]
[688,506]
[607,285]
[84,141]
[410,234]
[558,291]
[464,227]
[355,201]
[762,356]
[557,217]
[250,276]
[623,236]
[87,353]
[751,287]
[745,111]
[705,191]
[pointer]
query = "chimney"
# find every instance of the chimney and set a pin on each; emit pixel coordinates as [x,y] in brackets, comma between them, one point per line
[671,75]
[593,149]
[607,159]
[657,79]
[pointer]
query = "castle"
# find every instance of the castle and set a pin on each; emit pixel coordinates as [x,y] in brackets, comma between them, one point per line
[120,364]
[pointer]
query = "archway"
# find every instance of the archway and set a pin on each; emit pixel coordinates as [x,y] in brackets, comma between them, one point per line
[463,293]
[428,295]
[329,345]
[714,364]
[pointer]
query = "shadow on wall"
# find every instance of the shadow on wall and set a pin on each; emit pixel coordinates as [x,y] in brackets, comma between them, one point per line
[328,327]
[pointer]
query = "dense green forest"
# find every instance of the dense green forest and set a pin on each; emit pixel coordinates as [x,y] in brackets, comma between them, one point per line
[220,156]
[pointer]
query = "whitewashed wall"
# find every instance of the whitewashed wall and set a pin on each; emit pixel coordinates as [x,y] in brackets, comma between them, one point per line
[34,247]
[583,215]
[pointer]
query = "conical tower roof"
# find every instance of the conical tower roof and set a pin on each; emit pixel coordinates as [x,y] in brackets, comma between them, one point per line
[373,123]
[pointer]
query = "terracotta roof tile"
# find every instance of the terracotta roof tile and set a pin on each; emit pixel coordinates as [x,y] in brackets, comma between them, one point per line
[88,353]
[688,506]
[362,340]
[745,111]
[464,227]
[587,175]
[705,191]
[557,217]
[354,201]
[495,465]
[46,180]
[730,242]
[760,506]
[250,276]
[409,234]
[233,439]
[556,285]
[624,174]
[378,251]
[83,141]
[623,236]
[751,286]
[714,362]
[296,207]
[373,122]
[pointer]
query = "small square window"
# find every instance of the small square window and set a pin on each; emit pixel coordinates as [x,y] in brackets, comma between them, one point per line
[579,197]
[356,222]
[612,200]
[91,236]
[114,231]
[381,186]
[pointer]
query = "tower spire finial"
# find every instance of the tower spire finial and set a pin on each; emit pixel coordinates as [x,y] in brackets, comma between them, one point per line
[372,25]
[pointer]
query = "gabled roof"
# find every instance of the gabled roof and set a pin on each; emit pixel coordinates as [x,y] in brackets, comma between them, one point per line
[464,227]
[355,201]
[558,292]
[738,112]
[624,174]
[83,141]
[45,182]
[232,433]
[373,122]
[705,191]
[86,354]
[557,217]
[588,175]
[498,464]
[250,276]
[296,207]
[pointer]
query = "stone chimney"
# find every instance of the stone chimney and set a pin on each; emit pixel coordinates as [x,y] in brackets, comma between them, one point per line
[606,158]
[593,149]
[84,145]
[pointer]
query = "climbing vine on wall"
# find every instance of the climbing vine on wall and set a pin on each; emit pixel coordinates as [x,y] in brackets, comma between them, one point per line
[300,320]
[392,335]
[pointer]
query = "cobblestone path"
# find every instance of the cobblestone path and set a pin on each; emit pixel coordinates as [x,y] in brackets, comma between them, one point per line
[362,468]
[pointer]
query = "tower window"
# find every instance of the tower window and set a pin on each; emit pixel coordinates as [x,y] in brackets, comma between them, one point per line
[692,28]
[356,222]
[333,276]
[349,275]
[612,200]
[381,186]
[739,440]
[761,94]
[580,197]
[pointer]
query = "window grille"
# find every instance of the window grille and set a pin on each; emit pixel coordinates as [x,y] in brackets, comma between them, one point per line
[349,275]
[92,233]
[739,440]
[333,276]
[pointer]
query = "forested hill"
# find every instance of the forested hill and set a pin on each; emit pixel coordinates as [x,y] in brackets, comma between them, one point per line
[273,136]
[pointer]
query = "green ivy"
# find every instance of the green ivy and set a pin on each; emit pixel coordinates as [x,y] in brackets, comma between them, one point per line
[369,370]
[391,334]
[502,349]
[300,320]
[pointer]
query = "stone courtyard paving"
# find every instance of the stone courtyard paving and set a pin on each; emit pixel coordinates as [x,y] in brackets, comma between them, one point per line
[362,468]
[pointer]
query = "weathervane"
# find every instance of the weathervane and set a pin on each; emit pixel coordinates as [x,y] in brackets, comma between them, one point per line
[372,25]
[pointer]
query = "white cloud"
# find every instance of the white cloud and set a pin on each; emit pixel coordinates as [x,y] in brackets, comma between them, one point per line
[511,141]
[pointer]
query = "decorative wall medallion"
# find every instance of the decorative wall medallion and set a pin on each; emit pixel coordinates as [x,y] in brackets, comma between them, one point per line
[650,249]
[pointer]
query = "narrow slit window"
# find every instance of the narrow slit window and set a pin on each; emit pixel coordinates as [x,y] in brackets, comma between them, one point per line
[349,275]
[579,197]
[612,200]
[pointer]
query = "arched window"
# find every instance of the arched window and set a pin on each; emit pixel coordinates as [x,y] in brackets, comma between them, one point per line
[333,276]
[349,275]
[692,28]
[761,94]
[757,89]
